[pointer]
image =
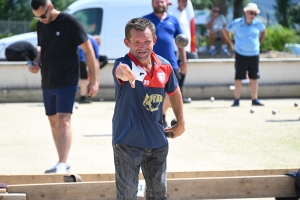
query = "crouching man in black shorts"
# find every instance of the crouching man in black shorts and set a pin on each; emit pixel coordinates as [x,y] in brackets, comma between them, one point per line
[249,33]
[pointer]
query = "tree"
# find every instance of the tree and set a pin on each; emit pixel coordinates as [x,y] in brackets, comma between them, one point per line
[222,6]
[282,12]
[21,9]
[9,8]
[202,4]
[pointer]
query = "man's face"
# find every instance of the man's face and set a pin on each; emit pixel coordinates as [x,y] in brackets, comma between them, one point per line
[182,4]
[159,6]
[215,11]
[43,14]
[140,44]
[250,15]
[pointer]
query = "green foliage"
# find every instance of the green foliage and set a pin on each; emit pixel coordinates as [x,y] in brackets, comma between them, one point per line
[15,9]
[2,35]
[21,9]
[277,37]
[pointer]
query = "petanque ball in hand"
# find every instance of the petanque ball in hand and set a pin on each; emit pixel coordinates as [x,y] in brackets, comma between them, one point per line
[170,134]
[181,40]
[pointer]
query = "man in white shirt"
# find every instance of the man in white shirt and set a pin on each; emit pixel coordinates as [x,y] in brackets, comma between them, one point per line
[181,16]
[215,24]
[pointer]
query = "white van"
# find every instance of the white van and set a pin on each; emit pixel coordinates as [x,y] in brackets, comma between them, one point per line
[106,18]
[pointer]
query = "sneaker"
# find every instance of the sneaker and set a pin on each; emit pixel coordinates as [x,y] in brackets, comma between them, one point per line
[256,102]
[68,166]
[212,52]
[84,100]
[59,168]
[236,103]
[186,100]
[224,51]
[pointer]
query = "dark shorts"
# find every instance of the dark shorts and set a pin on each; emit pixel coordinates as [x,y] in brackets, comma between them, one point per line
[244,64]
[83,71]
[177,74]
[59,100]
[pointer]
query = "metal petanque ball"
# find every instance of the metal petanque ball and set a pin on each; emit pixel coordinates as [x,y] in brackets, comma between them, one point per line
[181,40]
[295,104]
[212,99]
[274,112]
[251,110]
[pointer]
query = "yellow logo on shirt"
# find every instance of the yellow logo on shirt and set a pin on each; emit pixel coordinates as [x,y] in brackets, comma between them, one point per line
[152,102]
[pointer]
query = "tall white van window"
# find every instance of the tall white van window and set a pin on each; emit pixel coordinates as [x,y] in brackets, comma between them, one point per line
[91,20]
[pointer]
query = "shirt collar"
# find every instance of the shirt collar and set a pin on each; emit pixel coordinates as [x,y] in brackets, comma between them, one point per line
[253,22]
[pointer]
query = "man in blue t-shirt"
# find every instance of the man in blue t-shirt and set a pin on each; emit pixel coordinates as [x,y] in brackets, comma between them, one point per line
[142,78]
[167,28]
[249,33]
[83,82]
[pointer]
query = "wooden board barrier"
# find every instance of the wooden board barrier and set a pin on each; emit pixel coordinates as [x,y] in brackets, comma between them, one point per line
[14,196]
[187,188]
[58,178]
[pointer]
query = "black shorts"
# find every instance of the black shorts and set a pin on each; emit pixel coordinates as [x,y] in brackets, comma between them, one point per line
[83,71]
[244,64]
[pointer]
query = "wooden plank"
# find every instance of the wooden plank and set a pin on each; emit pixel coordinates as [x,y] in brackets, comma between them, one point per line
[13,196]
[58,178]
[198,188]
[68,191]
[2,190]
[229,188]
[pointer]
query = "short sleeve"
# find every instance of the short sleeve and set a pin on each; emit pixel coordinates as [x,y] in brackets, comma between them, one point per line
[231,26]
[178,29]
[224,20]
[172,83]
[78,33]
[261,26]
[95,46]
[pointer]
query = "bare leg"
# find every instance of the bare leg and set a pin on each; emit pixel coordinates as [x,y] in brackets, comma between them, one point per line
[62,134]
[238,88]
[254,88]
[53,124]
[223,40]
[212,38]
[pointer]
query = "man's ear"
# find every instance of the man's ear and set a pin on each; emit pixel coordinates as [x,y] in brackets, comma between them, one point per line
[126,42]
[154,39]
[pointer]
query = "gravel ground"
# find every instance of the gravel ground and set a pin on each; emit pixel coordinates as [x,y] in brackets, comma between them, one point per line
[217,137]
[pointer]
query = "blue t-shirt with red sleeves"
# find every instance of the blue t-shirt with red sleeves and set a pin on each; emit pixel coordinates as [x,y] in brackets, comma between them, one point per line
[137,119]
[166,31]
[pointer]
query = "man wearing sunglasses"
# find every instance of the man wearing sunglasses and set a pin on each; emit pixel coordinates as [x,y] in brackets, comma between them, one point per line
[249,33]
[59,35]
[215,24]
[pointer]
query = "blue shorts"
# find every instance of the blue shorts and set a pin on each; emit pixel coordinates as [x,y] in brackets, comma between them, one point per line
[59,100]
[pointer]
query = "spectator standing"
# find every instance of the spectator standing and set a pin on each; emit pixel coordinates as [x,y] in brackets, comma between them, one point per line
[181,15]
[249,33]
[167,28]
